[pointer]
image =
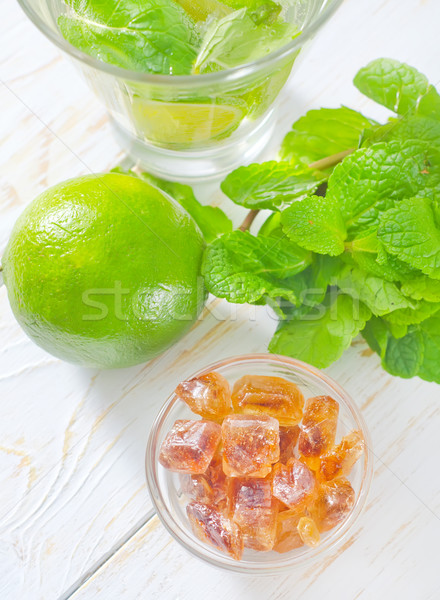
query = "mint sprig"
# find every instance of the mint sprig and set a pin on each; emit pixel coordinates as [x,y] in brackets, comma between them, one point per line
[363,253]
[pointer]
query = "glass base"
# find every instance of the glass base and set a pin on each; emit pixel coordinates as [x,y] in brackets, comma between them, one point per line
[203,164]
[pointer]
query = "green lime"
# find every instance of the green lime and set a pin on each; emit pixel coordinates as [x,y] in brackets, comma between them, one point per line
[200,10]
[181,124]
[103,270]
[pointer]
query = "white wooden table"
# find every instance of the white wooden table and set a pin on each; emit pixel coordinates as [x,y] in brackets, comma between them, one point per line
[75,517]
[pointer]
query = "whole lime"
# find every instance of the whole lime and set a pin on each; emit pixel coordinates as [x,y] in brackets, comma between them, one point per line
[104,270]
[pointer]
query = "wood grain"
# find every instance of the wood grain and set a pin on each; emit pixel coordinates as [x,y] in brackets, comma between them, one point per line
[72,441]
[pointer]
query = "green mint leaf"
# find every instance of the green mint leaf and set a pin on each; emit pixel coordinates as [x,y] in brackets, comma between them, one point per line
[375,333]
[398,330]
[156,36]
[243,268]
[430,367]
[429,105]
[410,232]
[321,336]
[415,353]
[388,261]
[381,297]
[404,357]
[368,253]
[393,84]
[260,11]
[273,185]
[315,223]
[211,220]
[368,262]
[371,180]
[271,225]
[310,287]
[415,128]
[324,132]
[422,288]
[420,311]
[236,40]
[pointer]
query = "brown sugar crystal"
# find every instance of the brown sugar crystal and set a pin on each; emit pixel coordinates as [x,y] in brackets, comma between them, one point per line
[250,445]
[190,446]
[272,396]
[294,484]
[254,510]
[318,428]
[213,527]
[207,395]
[335,500]
[341,459]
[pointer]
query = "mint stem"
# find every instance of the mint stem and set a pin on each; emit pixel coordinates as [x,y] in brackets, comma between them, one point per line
[245,226]
[319,165]
[330,161]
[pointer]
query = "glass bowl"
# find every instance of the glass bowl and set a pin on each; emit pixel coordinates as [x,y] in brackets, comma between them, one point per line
[170,504]
[190,126]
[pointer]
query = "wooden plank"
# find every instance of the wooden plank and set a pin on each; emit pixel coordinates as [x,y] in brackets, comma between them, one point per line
[73,440]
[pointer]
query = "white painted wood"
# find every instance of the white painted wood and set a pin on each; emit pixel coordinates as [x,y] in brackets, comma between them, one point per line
[72,440]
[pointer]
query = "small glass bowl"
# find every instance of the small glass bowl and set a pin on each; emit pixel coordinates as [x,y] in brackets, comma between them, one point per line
[170,503]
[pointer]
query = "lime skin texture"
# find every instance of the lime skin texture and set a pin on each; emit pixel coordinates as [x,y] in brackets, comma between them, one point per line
[104,271]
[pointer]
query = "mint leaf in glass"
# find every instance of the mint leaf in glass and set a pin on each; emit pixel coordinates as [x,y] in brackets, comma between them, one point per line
[315,223]
[236,40]
[155,36]
[411,233]
[260,11]
[324,132]
[243,268]
[272,185]
[321,336]
[393,84]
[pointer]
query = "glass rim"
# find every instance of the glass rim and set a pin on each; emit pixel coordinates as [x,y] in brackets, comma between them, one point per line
[204,552]
[229,75]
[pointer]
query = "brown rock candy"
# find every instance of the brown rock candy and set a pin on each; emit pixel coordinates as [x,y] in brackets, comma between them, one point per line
[190,446]
[214,528]
[217,479]
[287,537]
[250,445]
[318,428]
[196,487]
[254,510]
[334,502]
[341,459]
[208,395]
[294,484]
[272,396]
[288,440]
[308,531]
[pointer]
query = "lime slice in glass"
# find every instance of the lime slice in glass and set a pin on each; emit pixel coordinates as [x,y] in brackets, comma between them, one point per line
[181,124]
[201,9]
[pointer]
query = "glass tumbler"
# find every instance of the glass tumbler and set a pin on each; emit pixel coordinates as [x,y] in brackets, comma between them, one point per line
[190,126]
